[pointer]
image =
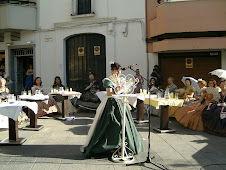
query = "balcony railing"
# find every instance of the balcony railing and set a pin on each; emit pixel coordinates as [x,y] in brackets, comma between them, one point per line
[18,2]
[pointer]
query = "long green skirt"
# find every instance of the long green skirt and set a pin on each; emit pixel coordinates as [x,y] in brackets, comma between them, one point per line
[108,132]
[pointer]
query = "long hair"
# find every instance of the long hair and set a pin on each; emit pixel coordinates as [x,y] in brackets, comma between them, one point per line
[57,77]
[156,82]
[35,81]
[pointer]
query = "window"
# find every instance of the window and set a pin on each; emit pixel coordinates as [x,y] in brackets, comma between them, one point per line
[84,7]
[80,7]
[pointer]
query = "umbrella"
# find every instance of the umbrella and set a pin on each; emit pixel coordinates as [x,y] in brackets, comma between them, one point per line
[194,82]
[219,72]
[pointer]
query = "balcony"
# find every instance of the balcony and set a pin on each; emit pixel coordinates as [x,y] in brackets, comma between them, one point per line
[17,17]
[188,16]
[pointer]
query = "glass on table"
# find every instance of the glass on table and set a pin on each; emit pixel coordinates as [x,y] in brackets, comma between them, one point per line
[37,92]
[29,92]
[52,90]
[158,95]
[23,93]
[66,89]
[70,89]
[61,89]
[171,95]
[18,98]
[176,96]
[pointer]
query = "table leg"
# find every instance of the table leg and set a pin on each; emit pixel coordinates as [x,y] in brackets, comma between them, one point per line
[33,121]
[13,138]
[13,130]
[164,120]
[65,108]
[140,110]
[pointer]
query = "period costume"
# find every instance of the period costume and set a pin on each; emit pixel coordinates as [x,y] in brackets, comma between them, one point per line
[105,132]
[183,92]
[191,115]
[139,84]
[90,94]
[214,118]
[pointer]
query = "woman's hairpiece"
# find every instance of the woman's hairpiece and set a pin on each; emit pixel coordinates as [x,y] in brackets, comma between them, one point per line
[111,62]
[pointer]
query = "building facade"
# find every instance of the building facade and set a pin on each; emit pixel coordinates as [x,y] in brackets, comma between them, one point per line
[187,37]
[71,38]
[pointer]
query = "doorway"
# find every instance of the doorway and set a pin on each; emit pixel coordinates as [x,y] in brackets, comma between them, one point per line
[22,59]
[85,53]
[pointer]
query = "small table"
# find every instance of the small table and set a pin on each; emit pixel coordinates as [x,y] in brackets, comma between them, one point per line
[65,96]
[164,117]
[12,111]
[33,117]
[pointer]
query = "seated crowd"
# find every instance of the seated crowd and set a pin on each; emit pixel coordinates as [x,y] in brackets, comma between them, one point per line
[203,109]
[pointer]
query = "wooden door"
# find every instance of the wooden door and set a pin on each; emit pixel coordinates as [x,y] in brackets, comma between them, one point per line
[174,65]
[78,67]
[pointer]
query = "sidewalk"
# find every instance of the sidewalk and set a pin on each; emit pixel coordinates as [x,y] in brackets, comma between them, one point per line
[57,147]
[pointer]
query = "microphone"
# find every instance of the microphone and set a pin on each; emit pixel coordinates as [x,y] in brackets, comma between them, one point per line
[125,68]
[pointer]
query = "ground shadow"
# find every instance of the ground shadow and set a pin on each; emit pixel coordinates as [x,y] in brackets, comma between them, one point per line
[44,151]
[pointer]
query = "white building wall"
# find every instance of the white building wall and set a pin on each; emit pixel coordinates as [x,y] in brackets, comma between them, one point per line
[50,57]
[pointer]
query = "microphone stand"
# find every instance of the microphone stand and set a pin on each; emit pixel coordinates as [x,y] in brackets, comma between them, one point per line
[148,159]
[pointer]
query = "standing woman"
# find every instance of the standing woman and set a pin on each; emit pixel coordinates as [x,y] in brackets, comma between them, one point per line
[141,81]
[105,132]
[29,78]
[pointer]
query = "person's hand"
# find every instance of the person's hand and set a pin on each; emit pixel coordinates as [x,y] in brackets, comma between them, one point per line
[90,84]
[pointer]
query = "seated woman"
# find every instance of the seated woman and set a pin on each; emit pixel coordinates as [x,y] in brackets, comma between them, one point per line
[43,107]
[153,86]
[186,92]
[191,115]
[214,116]
[57,84]
[3,89]
[91,87]
[183,93]
[105,132]
[202,85]
[171,87]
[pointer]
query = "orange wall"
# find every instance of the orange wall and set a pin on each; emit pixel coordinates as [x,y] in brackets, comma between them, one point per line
[186,16]
[188,44]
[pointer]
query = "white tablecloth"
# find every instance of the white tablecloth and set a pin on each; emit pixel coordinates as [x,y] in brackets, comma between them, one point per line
[4,122]
[34,97]
[132,98]
[70,94]
[12,110]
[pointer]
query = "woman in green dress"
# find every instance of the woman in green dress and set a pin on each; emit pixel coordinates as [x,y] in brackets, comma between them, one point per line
[106,131]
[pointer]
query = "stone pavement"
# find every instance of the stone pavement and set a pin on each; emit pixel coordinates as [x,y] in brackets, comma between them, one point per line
[56,147]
